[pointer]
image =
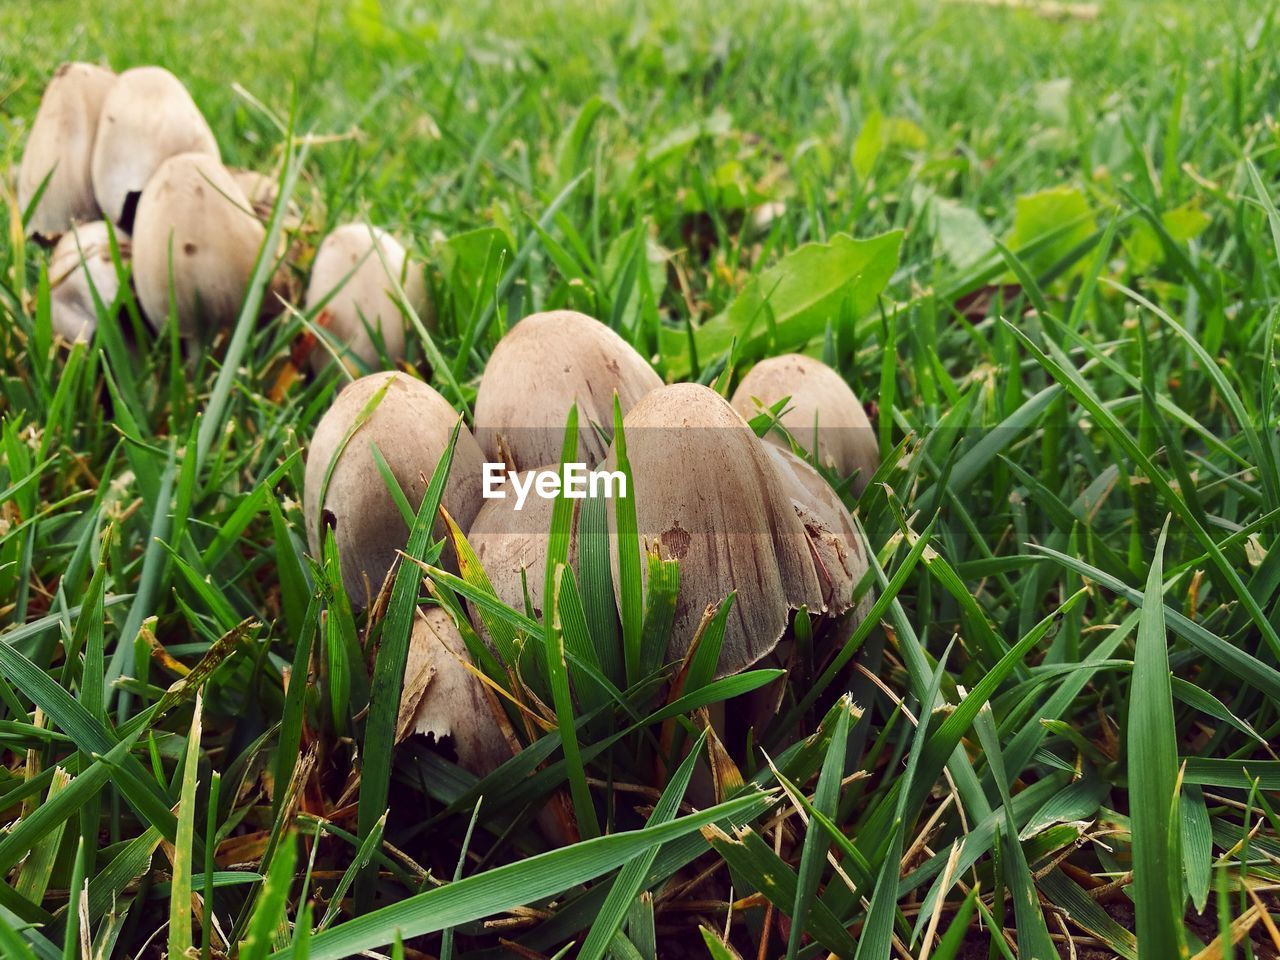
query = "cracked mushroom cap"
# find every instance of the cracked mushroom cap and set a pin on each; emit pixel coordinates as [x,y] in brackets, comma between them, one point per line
[443,700]
[538,370]
[839,557]
[507,540]
[356,281]
[847,442]
[81,263]
[60,148]
[193,206]
[411,426]
[148,117]
[708,494]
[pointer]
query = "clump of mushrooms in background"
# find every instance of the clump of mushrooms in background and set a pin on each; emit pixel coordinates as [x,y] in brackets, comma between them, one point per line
[134,151]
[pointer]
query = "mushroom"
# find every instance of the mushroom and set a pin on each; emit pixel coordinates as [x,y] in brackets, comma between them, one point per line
[846,441]
[707,494]
[259,189]
[148,117]
[81,263]
[442,699]
[60,148]
[537,371]
[839,557]
[410,425]
[354,276]
[192,209]
[507,541]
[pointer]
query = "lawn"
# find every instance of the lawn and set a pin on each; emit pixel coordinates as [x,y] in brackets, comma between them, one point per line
[1039,240]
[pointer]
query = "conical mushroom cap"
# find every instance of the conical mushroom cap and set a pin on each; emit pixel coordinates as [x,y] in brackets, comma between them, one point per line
[148,117]
[707,494]
[359,281]
[847,442]
[83,257]
[537,371]
[411,426]
[840,560]
[193,206]
[442,699]
[61,142]
[507,540]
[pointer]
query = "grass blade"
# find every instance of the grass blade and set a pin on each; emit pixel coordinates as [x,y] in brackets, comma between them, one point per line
[1152,763]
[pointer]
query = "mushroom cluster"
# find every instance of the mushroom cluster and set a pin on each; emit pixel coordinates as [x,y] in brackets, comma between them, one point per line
[123,171]
[739,513]
[133,151]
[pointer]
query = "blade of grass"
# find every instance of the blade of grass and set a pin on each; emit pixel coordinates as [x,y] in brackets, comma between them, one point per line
[814,852]
[388,671]
[1152,766]
[630,598]
[180,939]
[507,886]
[631,879]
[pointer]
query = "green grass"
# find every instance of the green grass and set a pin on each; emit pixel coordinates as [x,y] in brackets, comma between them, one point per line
[1045,249]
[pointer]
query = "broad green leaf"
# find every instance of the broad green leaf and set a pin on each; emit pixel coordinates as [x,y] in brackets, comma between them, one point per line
[1045,213]
[791,303]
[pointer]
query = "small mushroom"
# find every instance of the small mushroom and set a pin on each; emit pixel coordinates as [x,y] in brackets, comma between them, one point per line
[544,364]
[410,425]
[840,560]
[259,189]
[443,700]
[61,147]
[507,541]
[846,441]
[81,263]
[148,117]
[193,219]
[354,275]
[707,494]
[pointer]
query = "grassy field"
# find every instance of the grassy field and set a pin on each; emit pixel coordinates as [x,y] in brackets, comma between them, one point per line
[1040,243]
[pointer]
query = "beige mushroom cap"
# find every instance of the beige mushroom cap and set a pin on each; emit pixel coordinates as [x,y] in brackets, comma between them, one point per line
[61,144]
[411,426]
[847,442]
[81,263]
[259,189]
[442,699]
[359,279]
[840,560]
[707,494]
[507,541]
[538,370]
[193,206]
[148,117]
